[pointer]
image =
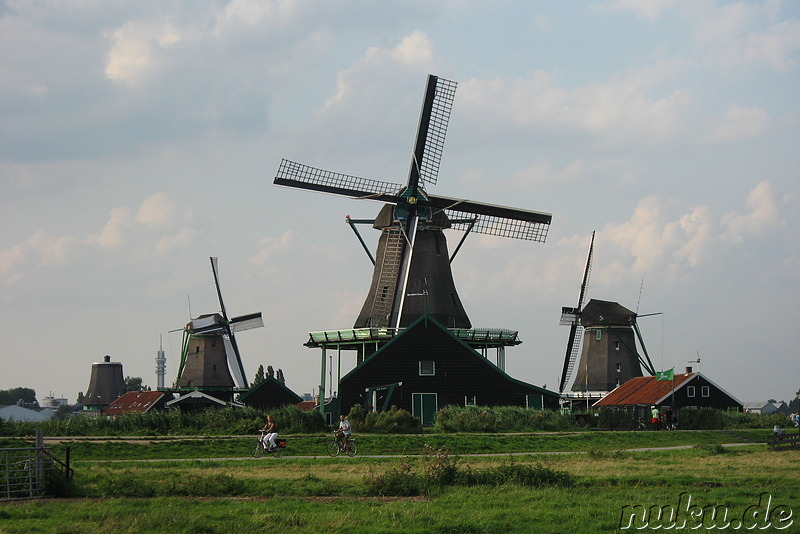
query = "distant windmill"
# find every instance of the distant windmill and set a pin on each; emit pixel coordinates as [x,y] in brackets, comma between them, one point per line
[210,358]
[412,273]
[609,331]
[571,317]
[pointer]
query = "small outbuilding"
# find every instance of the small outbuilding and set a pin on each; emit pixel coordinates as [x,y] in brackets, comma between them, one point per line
[138,402]
[270,393]
[689,390]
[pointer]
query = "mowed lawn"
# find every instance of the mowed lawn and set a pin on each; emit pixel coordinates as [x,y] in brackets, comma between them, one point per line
[324,494]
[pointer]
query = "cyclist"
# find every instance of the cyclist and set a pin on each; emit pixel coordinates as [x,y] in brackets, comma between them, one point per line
[272,432]
[344,432]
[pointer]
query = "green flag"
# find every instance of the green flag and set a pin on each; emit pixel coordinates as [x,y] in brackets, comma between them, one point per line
[665,375]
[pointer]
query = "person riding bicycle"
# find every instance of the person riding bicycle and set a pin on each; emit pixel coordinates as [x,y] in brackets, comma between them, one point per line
[344,432]
[271,430]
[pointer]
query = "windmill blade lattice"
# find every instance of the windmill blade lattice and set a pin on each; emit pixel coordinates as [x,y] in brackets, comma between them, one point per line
[293,174]
[501,221]
[436,131]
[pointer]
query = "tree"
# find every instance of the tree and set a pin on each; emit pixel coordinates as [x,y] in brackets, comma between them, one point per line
[280,377]
[270,371]
[26,396]
[259,376]
[80,397]
[63,411]
[133,383]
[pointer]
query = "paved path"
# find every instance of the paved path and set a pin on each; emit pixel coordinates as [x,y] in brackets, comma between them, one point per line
[326,457]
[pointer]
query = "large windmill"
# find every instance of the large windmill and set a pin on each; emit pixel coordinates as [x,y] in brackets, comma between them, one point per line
[412,274]
[210,359]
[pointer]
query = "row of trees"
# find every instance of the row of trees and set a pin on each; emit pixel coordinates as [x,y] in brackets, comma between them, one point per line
[260,376]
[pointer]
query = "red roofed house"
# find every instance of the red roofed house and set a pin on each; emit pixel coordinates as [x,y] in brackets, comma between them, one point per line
[137,402]
[689,390]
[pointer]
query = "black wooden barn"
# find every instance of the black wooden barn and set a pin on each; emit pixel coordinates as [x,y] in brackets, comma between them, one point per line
[270,393]
[689,390]
[426,367]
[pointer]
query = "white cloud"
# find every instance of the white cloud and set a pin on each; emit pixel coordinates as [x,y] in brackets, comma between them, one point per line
[112,235]
[695,229]
[157,210]
[617,110]
[741,123]
[649,9]
[39,249]
[269,246]
[184,238]
[763,215]
[134,46]
[414,50]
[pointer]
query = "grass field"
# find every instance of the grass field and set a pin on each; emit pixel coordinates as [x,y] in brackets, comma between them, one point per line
[303,493]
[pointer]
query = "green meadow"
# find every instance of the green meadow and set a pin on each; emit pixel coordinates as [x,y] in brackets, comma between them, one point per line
[426,483]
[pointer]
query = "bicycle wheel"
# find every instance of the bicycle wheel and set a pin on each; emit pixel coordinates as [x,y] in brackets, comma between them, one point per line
[353,450]
[257,449]
[333,448]
[276,452]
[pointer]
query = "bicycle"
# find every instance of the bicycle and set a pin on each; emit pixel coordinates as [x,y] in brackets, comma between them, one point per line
[337,446]
[257,449]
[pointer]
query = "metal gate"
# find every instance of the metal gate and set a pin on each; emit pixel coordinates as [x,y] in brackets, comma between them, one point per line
[26,471]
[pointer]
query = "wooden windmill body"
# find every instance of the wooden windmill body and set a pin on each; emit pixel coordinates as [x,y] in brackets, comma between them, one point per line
[608,357]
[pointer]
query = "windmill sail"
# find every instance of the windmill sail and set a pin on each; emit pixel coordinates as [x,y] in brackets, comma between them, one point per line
[571,316]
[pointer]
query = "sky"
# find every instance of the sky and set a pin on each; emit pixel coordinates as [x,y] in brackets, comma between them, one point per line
[138,139]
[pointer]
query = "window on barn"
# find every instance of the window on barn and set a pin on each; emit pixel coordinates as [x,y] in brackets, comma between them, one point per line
[427,368]
[616,345]
[690,391]
[705,391]
[469,400]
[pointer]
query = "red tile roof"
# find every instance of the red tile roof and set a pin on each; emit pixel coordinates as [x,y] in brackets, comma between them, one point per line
[643,390]
[134,402]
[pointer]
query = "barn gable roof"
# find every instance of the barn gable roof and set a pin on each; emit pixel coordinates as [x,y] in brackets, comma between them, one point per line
[647,390]
[134,402]
[271,383]
[424,321]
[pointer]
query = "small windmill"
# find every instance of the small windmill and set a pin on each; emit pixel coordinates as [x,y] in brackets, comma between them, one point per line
[572,317]
[210,355]
[412,273]
[609,331]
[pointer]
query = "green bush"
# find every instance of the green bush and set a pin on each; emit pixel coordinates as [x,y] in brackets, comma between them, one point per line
[754,420]
[455,418]
[394,421]
[439,471]
[699,419]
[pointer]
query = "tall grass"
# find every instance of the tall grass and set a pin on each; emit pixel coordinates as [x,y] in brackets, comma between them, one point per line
[440,471]
[173,422]
[499,419]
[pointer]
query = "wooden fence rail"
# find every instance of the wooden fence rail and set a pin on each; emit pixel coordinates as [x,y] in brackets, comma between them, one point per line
[785,441]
